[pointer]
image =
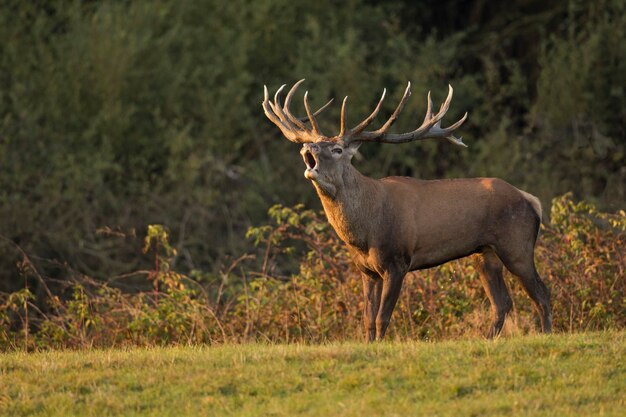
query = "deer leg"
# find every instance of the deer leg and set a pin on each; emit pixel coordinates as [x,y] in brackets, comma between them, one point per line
[372,289]
[489,268]
[523,267]
[391,286]
[539,293]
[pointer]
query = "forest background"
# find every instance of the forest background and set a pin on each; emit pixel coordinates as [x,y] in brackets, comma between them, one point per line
[117,115]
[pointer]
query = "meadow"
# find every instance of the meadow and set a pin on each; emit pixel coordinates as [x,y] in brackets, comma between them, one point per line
[562,374]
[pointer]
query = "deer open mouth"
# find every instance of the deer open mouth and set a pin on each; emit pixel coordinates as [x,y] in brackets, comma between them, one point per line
[309,160]
[311,171]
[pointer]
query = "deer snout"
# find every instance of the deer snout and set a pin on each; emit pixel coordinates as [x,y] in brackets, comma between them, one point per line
[309,154]
[311,147]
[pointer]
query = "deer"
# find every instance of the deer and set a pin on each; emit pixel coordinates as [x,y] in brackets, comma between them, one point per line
[396,225]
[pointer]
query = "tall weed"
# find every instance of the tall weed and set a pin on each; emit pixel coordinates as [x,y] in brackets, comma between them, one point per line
[301,286]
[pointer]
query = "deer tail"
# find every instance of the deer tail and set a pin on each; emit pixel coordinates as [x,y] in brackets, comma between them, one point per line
[534,202]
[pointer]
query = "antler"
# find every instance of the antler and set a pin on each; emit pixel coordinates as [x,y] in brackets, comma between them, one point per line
[429,129]
[295,130]
[293,127]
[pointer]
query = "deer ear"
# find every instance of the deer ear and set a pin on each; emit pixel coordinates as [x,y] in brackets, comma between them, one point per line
[353,148]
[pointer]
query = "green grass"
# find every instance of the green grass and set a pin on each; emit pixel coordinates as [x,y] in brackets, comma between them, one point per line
[562,375]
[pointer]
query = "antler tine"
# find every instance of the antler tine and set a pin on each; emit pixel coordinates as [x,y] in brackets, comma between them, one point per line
[396,112]
[311,116]
[445,105]
[321,109]
[433,123]
[300,120]
[277,106]
[429,120]
[342,129]
[269,112]
[457,124]
[361,126]
[290,94]
[429,110]
[264,104]
[295,120]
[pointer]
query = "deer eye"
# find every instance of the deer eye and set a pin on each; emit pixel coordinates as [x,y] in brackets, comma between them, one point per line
[338,151]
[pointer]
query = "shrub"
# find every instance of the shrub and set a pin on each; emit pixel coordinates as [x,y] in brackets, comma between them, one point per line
[302,287]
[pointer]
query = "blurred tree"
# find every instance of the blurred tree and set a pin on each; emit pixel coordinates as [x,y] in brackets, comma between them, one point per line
[123,114]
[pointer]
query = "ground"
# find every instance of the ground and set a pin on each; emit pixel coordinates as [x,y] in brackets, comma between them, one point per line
[558,375]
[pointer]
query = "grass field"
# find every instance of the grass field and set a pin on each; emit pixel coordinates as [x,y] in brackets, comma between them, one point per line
[562,375]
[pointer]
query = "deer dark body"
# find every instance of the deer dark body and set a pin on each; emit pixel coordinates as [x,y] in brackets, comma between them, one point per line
[397,224]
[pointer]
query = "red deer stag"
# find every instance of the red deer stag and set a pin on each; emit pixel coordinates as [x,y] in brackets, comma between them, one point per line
[396,224]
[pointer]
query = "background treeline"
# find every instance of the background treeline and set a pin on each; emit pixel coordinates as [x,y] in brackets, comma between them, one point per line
[119,114]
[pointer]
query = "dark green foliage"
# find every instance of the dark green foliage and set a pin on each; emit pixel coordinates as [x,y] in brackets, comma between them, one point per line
[115,115]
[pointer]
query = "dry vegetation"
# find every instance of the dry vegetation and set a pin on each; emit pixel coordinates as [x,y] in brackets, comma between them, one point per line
[580,253]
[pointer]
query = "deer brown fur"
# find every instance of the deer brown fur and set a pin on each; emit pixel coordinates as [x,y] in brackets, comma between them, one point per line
[397,224]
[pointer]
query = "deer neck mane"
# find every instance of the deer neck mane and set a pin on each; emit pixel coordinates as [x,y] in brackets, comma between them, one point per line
[352,209]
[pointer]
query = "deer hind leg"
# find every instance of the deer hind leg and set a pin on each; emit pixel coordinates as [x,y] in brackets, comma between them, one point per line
[372,290]
[522,265]
[489,268]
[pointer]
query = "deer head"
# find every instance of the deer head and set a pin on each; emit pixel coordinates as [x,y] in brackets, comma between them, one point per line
[327,157]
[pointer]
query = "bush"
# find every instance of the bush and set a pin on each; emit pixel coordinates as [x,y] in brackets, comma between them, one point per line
[579,254]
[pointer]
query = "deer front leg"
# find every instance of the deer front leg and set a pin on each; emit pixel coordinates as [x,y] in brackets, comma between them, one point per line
[372,289]
[392,284]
